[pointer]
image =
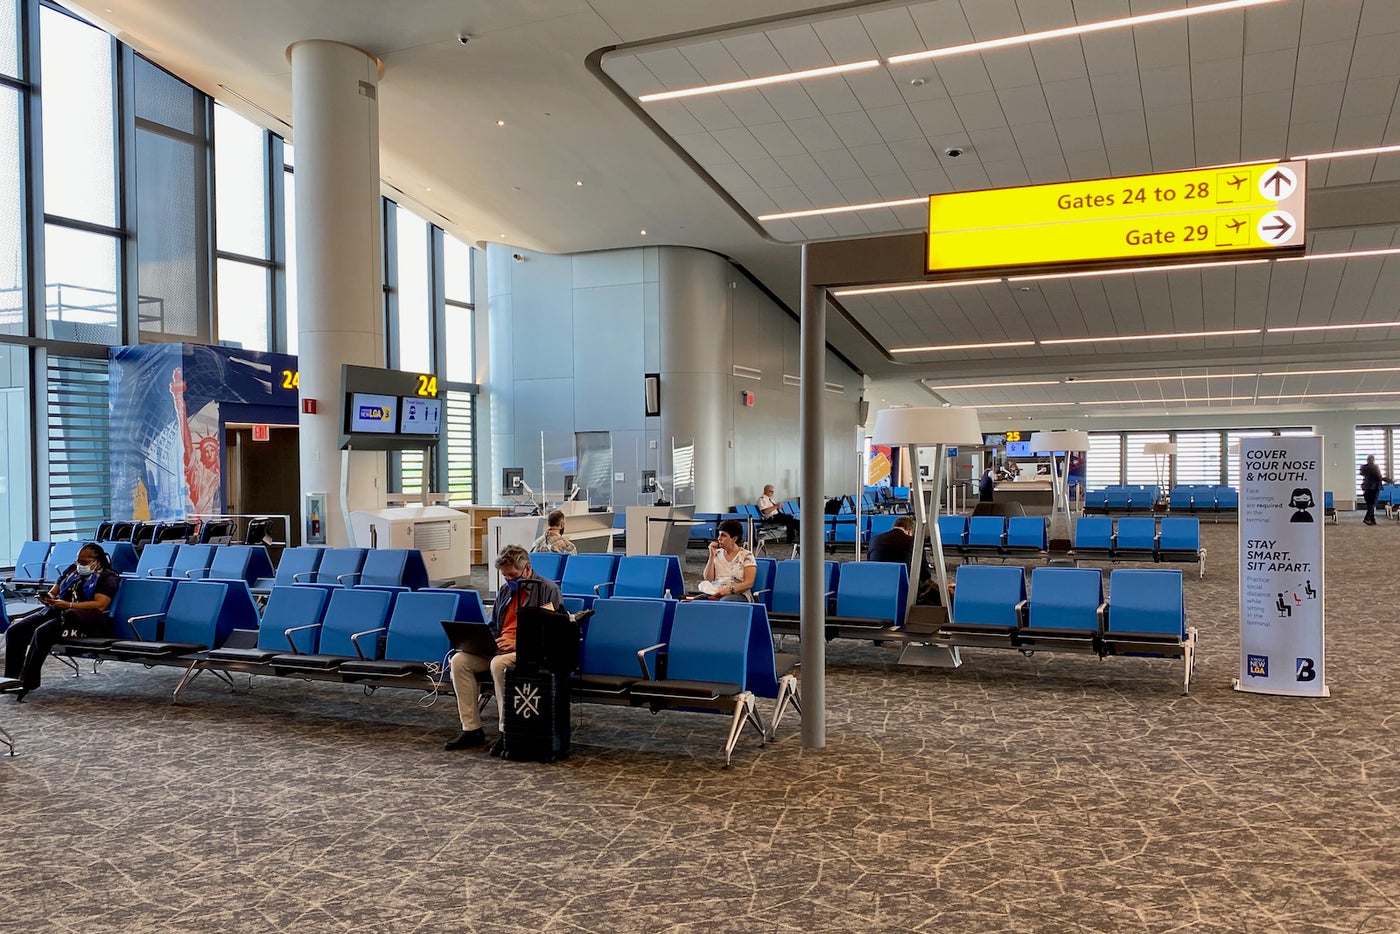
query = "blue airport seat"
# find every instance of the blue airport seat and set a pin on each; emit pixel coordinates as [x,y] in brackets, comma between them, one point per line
[290,622]
[1093,537]
[549,564]
[157,560]
[1027,535]
[771,674]
[31,564]
[952,534]
[989,605]
[871,594]
[583,573]
[247,563]
[1180,500]
[191,562]
[300,562]
[787,588]
[765,569]
[1095,500]
[389,567]
[201,615]
[707,666]
[1146,616]
[414,642]
[1180,540]
[620,647]
[985,537]
[338,566]
[1065,609]
[136,597]
[882,523]
[349,612]
[1136,538]
[638,576]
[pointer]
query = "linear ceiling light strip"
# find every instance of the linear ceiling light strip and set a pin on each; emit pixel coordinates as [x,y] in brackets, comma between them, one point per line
[990,346]
[1075,30]
[759,82]
[1185,335]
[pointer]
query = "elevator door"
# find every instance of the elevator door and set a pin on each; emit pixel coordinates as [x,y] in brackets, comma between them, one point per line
[265,476]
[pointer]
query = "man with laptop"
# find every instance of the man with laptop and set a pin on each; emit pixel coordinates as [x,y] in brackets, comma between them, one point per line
[520,589]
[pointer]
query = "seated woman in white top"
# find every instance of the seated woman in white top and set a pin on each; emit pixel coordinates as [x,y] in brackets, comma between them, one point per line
[729,574]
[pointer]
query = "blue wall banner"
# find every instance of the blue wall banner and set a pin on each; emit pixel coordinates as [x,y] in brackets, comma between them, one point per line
[1281,567]
[168,421]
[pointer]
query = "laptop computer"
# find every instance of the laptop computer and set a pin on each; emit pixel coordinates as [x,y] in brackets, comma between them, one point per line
[472,638]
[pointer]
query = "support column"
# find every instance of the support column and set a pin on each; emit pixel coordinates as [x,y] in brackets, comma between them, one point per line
[339,294]
[810,420]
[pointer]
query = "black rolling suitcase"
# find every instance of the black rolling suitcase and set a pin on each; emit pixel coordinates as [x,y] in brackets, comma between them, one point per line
[537,706]
[537,716]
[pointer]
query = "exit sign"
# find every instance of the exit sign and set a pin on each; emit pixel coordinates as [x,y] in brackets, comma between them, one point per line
[262,433]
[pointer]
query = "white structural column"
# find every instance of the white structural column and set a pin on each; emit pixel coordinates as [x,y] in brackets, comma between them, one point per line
[812,533]
[335,90]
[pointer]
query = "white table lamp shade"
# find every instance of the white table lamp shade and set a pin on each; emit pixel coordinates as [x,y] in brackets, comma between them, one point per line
[1159,447]
[927,425]
[1046,442]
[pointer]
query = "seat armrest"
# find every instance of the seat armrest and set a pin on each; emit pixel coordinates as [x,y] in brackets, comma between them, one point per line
[355,638]
[189,575]
[291,641]
[340,578]
[757,593]
[296,578]
[642,658]
[131,621]
[598,589]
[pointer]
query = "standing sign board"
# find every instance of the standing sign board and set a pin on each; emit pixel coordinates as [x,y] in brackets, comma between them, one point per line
[1281,567]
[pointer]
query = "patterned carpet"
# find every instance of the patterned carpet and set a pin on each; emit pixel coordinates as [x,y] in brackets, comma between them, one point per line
[1052,793]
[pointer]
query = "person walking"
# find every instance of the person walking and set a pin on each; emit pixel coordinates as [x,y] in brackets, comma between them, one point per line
[1371,481]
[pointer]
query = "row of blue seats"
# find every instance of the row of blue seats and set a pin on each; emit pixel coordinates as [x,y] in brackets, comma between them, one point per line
[40,563]
[1177,538]
[1203,498]
[1065,610]
[1122,498]
[1003,537]
[717,656]
[585,577]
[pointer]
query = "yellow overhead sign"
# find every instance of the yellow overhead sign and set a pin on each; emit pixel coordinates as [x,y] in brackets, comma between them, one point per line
[1204,212]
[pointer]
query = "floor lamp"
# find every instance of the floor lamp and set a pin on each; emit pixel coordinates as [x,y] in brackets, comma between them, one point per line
[1059,445]
[1161,453]
[938,428]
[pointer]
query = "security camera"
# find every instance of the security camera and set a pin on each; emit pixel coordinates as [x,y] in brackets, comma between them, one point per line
[463,38]
[517,257]
[1070,379]
[952,152]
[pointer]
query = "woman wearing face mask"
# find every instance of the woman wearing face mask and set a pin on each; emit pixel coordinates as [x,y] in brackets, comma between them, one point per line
[79,601]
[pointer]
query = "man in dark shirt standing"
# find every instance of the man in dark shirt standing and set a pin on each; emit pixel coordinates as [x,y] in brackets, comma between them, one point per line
[897,546]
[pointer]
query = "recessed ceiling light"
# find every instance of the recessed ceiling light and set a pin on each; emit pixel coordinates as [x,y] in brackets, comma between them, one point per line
[500,123]
[916,287]
[1075,30]
[1294,329]
[1149,337]
[759,82]
[426,188]
[643,232]
[989,346]
[1023,405]
[579,183]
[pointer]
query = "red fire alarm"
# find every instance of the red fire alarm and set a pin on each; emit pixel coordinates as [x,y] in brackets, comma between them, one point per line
[748,398]
[308,406]
[262,433]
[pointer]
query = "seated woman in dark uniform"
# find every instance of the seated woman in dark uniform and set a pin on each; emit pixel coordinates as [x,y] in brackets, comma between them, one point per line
[79,602]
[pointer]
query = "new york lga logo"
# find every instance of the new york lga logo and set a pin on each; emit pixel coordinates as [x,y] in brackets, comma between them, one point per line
[1258,666]
[527,701]
[374,413]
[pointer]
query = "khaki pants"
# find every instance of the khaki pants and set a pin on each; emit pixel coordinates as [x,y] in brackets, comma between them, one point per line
[464,669]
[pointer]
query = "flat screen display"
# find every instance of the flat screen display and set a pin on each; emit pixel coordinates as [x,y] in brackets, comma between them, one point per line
[420,416]
[1018,449]
[372,413]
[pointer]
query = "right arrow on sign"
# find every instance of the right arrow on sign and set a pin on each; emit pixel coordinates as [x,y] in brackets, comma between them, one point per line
[1275,226]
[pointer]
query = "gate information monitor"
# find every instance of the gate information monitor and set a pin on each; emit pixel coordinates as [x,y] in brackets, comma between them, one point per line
[1225,213]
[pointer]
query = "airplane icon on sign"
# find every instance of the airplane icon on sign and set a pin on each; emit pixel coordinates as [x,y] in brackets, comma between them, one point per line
[1237,181]
[1236,224]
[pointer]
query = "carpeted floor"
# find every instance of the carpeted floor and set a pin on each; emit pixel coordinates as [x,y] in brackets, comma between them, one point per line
[1055,793]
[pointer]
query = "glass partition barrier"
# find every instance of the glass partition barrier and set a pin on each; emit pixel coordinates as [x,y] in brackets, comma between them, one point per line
[595,467]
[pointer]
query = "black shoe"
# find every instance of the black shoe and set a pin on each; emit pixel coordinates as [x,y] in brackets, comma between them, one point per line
[498,748]
[469,739]
[19,695]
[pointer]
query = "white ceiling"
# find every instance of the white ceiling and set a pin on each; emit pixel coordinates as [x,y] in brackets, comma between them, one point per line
[1288,78]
